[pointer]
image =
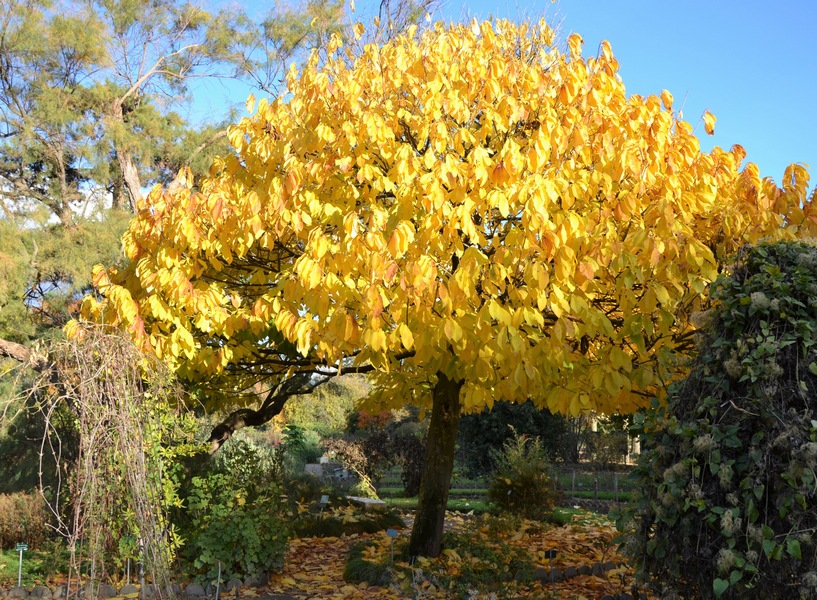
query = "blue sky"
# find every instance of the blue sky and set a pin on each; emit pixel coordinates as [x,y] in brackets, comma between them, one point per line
[753,64]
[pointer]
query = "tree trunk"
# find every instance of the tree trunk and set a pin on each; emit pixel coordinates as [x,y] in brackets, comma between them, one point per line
[427,533]
[128,172]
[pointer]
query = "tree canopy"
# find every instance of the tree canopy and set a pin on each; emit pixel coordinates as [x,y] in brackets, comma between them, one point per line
[470,201]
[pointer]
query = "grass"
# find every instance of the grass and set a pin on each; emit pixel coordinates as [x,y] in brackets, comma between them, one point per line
[454,504]
[602,495]
[586,480]
[585,483]
[39,566]
[559,516]
[385,492]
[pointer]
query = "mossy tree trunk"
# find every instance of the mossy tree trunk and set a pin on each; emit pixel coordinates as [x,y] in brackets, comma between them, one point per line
[427,533]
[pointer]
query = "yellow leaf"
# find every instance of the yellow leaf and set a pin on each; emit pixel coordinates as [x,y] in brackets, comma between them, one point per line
[666,99]
[575,43]
[709,122]
[406,337]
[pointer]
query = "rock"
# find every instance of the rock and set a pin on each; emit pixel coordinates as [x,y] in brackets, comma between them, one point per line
[256,581]
[232,584]
[624,596]
[148,592]
[129,589]
[585,570]
[18,592]
[59,592]
[570,572]
[105,591]
[368,504]
[314,469]
[608,566]
[195,590]
[608,597]
[598,570]
[547,575]
[41,592]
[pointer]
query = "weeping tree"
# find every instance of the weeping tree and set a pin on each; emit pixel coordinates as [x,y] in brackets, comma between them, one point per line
[114,427]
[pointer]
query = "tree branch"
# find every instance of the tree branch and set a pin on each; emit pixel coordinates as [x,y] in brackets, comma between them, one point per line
[273,404]
[23,354]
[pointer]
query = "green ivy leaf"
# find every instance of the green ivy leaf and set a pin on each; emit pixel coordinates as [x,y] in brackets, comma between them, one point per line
[768,547]
[793,548]
[734,577]
[720,586]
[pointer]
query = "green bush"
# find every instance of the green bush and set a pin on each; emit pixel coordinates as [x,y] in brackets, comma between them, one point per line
[481,435]
[522,483]
[22,519]
[235,513]
[727,469]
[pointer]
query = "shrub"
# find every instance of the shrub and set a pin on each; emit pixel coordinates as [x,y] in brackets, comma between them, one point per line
[522,483]
[372,455]
[235,513]
[727,468]
[22,519]
[327,409]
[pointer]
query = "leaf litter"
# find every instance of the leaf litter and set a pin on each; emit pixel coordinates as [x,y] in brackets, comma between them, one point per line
[315,566]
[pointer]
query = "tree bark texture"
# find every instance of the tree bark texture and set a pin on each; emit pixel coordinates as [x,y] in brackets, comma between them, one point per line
[128,171]
[14,350]
[427,533]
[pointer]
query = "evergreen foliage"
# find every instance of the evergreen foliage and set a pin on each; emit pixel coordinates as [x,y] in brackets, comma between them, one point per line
[481,435]
[727,467]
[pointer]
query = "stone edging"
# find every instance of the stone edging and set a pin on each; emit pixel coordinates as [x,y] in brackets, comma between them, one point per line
[127,592]
[596,569]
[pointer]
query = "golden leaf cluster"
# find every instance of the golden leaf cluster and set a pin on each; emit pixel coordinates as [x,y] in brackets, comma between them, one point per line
[470,201]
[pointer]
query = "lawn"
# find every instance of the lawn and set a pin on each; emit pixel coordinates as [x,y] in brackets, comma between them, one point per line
[39,566]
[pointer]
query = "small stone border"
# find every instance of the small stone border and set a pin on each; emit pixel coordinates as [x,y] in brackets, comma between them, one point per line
[130,591]
[596,569]
[597,506]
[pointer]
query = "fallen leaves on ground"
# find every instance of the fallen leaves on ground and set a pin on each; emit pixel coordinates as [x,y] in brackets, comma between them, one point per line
[315,570]
[315,565]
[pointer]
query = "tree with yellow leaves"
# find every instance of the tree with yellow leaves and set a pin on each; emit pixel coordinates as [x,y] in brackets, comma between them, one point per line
[470,215]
